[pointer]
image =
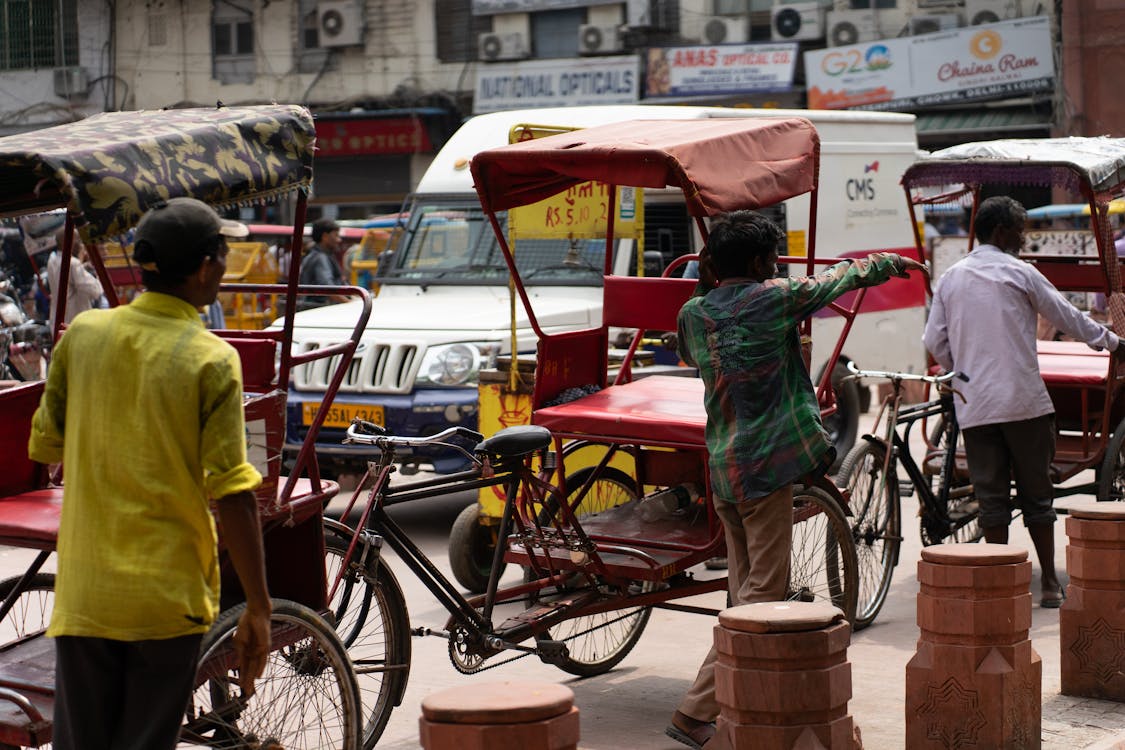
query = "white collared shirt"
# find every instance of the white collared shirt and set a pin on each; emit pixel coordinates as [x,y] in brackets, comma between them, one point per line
[982,323]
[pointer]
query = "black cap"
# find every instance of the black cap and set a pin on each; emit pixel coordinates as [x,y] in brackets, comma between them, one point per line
[173,236]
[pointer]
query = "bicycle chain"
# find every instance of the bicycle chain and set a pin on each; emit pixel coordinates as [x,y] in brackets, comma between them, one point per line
[460,667]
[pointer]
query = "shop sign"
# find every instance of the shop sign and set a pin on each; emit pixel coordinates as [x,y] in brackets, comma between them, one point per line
[991,61]
[371,137]
[493,7]
[581,210]
[719,69]
[556,83]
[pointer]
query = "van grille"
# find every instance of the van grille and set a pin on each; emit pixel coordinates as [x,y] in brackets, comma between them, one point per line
[376,368]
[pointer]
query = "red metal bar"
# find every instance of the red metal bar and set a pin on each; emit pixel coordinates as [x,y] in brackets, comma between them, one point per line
[514,273]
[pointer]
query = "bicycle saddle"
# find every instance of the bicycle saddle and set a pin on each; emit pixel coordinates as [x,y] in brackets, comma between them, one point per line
[515,441]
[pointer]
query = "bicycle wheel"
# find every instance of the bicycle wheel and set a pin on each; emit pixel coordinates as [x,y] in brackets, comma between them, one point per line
[611,488]
[597,643]
[822,563]
[1111,474]
[373,623]
[31,612]
[305,698]
[962,524]
[876,525]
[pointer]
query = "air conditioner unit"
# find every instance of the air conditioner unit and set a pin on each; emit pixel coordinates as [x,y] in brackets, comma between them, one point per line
[931,24]
[724,30]
[507,46]
[599,40]
[850,27]
[71,82]
[340,23]
[993,11]
[797,22]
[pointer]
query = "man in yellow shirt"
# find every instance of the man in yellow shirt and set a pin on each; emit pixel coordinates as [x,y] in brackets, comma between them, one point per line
[144,408]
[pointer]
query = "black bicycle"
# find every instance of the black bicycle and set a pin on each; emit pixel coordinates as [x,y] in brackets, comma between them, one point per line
[869,476]
[592,569]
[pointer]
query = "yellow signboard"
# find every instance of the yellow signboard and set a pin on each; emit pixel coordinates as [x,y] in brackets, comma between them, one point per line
[581,211]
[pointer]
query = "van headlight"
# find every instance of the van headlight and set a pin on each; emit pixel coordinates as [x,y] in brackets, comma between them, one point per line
[456,364]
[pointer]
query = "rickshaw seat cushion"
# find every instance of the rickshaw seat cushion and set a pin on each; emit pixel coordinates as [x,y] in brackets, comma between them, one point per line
[258,357]
[31,519]
[1072,364]
[653,410]
[18,473]
[645,302]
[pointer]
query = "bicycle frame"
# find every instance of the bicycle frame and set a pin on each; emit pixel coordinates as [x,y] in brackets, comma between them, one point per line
[935,506]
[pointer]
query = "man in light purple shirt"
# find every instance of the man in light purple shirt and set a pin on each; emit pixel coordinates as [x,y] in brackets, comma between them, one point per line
[982,323]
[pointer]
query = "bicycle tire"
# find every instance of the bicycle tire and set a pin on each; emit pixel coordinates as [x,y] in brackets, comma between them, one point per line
[822,561]
[1111,474]
[307,696]
[876,525]
[31,613]
[962,522]
[374,624]
[597,643]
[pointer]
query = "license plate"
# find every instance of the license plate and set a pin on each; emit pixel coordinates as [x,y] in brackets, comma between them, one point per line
[341,415]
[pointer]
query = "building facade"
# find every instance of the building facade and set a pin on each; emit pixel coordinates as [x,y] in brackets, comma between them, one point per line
[389,80]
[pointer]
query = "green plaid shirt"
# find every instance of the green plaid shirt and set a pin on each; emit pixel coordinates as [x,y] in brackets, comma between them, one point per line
[763,421]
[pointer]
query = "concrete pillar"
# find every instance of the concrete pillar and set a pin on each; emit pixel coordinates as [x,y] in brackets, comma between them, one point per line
[975,680]
[1092,619]
[782,678]
[500,716]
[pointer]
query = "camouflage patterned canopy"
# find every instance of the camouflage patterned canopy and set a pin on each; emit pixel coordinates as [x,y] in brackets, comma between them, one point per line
[110,168]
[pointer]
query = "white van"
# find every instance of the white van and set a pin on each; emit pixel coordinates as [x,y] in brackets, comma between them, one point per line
[443,311]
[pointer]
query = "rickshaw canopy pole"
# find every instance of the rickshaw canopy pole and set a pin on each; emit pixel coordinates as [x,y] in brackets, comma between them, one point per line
[109,169]
[720,164]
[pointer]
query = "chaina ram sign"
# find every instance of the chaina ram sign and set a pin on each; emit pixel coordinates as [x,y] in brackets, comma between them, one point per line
[991,61]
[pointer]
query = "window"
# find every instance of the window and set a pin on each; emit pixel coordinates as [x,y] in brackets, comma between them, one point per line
[457,30]
[877,4]
[38,34]
[232,42]
[554,33]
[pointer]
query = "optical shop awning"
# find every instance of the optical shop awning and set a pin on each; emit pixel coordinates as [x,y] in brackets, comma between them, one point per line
[1000,121]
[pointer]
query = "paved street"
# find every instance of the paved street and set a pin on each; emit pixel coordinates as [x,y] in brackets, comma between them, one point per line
[629,707]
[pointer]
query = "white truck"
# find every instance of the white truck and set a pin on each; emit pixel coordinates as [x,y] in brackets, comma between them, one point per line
[443,309]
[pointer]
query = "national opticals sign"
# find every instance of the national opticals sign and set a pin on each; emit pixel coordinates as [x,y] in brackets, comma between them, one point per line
[981,62]
[557,83]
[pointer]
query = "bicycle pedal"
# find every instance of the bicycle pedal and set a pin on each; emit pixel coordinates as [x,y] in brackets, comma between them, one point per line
[905,488]
[552,652]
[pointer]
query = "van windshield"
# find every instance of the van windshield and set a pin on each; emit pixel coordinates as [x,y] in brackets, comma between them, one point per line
[453,243]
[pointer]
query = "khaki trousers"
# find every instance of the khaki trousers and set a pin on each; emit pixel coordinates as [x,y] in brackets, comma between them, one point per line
[759,537]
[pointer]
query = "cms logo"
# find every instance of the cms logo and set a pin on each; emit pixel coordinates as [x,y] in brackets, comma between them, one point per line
[860,189]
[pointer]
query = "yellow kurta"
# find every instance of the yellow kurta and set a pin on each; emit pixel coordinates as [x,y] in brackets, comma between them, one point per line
[150,404]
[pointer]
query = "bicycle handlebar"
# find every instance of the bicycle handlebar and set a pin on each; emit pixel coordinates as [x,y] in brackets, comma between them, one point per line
[936,379]
[361,432]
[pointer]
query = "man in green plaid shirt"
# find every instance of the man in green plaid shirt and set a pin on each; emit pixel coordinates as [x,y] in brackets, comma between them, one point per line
[763,420]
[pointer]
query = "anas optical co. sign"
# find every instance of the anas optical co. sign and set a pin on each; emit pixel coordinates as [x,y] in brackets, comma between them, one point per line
[992,61]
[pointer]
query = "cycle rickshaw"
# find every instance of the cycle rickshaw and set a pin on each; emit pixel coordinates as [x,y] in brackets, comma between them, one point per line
[1084,385]
[594,566]
[106,171]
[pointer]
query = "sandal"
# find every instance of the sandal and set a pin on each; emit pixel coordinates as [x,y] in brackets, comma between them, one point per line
[694,738]
[1054,601]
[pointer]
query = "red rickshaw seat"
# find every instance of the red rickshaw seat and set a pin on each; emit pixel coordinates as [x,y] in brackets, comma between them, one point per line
[1072,364]
[657,409]
[31,519]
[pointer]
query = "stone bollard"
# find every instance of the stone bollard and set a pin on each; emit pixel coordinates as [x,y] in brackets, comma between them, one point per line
[1092,619]
[782,678]
[974,681]
[500,716]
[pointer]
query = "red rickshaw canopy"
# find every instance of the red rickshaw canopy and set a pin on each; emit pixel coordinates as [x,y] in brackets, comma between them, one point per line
[721,164]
